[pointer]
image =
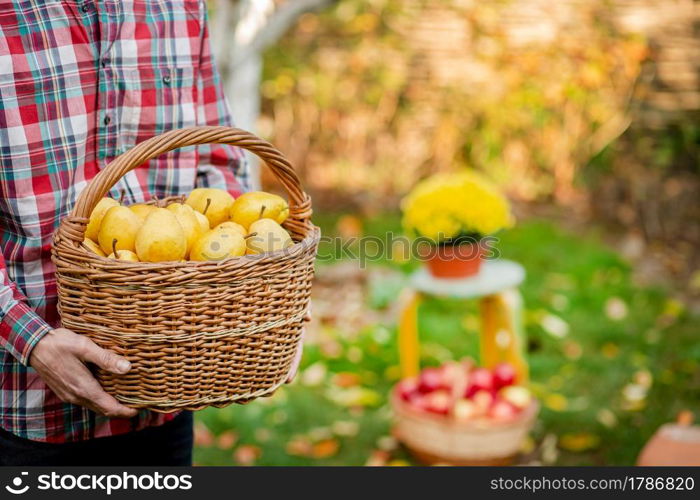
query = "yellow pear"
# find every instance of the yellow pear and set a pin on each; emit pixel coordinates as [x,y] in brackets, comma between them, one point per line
[233,226]
[203,221]
[121,223]
[142,210]
[255,205]
[218,244]
[126,255]
[161,238]
[93,247]
[188,221]
[93,227]
[214,203]
[266,235]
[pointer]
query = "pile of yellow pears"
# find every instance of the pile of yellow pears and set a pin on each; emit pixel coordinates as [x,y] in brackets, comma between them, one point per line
[209,226]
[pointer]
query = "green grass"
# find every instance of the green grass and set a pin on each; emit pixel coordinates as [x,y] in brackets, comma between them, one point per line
[581,377]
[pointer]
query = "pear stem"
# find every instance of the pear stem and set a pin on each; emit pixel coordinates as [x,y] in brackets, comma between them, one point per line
[250,235]
[262,209]
[114,248]
[206,207]
[121,196]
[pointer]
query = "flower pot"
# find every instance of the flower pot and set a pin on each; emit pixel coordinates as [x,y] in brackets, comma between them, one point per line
[454,261]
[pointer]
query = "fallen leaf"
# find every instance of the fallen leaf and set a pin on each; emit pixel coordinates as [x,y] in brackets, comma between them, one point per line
[387,443]
[346,428]
[616,309]
[579,442]
[634,392]
[607,418]
[644,378]
[610,350]
[554,325]
[573,350]
[549,449]
[299,446]
[203,437]
[355,396]
[226,440]
[325,449]
[319,433]
[314,374]
[377,458]
[399,463]
[247,454]
[673,308]
[346,379]
[634,396]
[331,349]
[556,402]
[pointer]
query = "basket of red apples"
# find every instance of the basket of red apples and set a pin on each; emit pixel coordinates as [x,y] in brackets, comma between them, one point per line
[463,414]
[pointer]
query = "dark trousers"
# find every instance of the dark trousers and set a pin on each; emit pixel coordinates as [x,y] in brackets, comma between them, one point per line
[168,444]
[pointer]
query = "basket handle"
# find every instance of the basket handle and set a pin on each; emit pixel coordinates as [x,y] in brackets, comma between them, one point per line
[300,203]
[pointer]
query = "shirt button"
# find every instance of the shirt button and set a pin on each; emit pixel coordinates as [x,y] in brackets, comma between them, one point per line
[104,62]
[107,120]
[85,7]
[166,79]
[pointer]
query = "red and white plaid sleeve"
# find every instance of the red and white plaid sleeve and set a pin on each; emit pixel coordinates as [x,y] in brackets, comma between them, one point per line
[220,165]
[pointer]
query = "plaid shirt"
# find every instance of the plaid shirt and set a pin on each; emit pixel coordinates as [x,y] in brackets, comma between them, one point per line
[82,81]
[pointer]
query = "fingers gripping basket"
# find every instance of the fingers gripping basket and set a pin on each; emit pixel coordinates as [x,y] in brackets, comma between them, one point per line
[196,333]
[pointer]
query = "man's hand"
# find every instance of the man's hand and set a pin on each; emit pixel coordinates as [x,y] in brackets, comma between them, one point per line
[60,359]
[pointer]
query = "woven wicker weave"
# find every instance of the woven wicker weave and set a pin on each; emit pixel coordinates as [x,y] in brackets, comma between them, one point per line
[438,439]
[197,334]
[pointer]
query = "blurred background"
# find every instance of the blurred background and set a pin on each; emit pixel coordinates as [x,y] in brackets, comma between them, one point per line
[585,113]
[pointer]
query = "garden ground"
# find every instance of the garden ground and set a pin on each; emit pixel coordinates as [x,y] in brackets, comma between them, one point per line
[610,360]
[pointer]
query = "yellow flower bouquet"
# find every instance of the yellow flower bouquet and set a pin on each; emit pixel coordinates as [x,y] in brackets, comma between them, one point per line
[454,212]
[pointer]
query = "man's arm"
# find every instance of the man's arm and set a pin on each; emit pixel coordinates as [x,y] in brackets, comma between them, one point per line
[220,165]
[20,327]
[59,355]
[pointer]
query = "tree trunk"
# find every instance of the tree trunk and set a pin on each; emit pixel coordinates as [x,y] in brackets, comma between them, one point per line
[241,30]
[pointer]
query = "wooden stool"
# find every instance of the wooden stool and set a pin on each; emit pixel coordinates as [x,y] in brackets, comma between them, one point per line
[502,336]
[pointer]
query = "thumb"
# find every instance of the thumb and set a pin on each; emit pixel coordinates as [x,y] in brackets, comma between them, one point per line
[104,358]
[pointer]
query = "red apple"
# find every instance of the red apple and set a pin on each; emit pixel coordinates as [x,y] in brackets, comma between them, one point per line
[430,380]
[517,395]
[504,374]
[503,411]
[482,401]
[417,401]
[407,387]
[465,410]
[452,372]
[480,379]
[438,402]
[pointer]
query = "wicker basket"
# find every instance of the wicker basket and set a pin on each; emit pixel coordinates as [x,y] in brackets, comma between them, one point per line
[197,334]
[437,439]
